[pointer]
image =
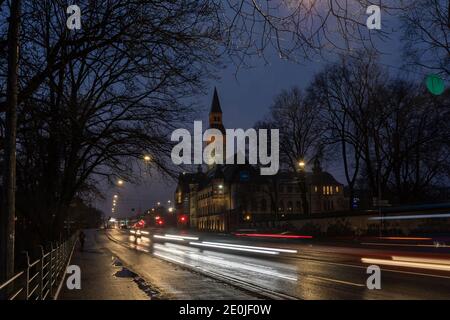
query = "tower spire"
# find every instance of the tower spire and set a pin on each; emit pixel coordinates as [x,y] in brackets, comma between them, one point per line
[215,105]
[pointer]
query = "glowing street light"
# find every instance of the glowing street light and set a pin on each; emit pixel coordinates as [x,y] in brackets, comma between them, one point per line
[147,158]
[120,182]
[115,196]
[170,209]
[301,164]
[159,203]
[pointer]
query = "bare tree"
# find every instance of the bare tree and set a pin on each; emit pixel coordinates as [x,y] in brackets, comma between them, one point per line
[346,90]
[301,132]
[427,35]
[94,101]
[299,29]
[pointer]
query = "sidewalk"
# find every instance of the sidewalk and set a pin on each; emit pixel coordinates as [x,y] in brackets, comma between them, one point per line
[103,277]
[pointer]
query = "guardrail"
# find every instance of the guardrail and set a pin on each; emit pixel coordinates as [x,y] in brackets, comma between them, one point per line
[41,278]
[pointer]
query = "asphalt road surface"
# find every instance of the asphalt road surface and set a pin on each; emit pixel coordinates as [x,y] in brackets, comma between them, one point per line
[302,268]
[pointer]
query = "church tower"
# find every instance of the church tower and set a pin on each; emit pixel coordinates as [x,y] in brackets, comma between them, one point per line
[215,114]
[215,119]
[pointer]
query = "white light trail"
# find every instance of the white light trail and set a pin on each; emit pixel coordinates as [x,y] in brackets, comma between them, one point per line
[252,247]
[410,217]
[220,246]
[408,262]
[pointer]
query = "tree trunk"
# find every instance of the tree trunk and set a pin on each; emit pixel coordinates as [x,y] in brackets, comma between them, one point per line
[7,236]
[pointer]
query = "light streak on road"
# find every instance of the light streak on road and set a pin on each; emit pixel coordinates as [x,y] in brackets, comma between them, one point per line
[411,217]
[405,245]
[251,247]
[217,261]
[174,237]
[405,238]
[220,246]
[279,236]
[422,260]
[409,262]
[182,237]
[157,236]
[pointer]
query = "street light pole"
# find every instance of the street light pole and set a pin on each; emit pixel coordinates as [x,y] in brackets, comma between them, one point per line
[303,187]
[7,221]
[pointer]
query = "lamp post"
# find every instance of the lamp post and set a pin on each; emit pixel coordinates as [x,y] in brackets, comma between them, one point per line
[302,178]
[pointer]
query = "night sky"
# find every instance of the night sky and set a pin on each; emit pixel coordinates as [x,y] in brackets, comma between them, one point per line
[245,99]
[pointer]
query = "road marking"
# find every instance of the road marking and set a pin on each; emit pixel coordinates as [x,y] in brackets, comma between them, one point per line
[337,281]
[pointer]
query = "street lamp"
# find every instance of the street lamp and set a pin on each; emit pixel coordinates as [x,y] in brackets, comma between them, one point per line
[147,158]
[120,182]
[159,203]
[303,188]
[170,209]
[116,196]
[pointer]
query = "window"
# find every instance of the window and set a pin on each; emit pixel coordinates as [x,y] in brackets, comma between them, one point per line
[337,189]
[289,189]
[289,206]
[263,205]
[254,206]
[315,188]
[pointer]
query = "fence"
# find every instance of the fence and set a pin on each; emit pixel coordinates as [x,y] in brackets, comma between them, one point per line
[42,278]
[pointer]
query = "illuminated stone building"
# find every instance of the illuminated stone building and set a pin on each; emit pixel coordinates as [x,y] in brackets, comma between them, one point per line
[227,197]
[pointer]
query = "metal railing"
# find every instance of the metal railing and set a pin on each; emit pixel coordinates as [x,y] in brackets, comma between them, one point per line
[41,279]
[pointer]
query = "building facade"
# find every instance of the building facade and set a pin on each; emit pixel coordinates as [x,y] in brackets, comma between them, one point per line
[224,198]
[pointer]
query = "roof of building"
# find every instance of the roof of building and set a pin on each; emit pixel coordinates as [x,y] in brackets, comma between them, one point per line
[242,173]
[215,105]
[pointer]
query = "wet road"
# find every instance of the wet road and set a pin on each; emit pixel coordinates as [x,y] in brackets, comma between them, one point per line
[303,270]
